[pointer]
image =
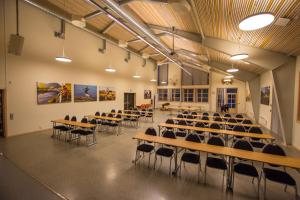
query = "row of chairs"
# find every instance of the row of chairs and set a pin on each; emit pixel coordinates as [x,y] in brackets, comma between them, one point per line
[256,142]
[108,124]
[240,166]
[73,133]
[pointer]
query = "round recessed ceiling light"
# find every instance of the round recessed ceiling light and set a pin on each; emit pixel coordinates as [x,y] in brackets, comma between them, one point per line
[153,80]
[136,76]
[163,82]
[240,56]
[256,21]
[232,70]
[229,76]
[63,59]
[109,69]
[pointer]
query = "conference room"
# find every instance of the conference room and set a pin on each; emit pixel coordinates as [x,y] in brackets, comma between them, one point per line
[149,99]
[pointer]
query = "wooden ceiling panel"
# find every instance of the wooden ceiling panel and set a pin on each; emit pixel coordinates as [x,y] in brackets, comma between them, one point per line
[120,33]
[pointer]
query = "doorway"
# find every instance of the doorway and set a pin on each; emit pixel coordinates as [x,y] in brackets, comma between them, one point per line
[129,101]
[227,96]
[2,113]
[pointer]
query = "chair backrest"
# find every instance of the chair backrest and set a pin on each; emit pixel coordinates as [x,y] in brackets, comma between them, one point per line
[74,119]
[169,121]
[169,134]
[150,110]
[274,149]
[193,138]
[247,121]
[199,124]
[179,116]
[194,113]
[227,115]
[239,129]
[182,122]
[205,114]
[97,114]
[93,121]
[216,115]
[135,109]
[103,114]
[218,119]
[205,118]
[113,111]
[243,144]
[144,109]
[239,116]
[231,120]
[189,117]
[215,126]
[255,130]
[151,131]
[216,141]
[120,111]
[67,117]
[84,120]
[119,116]
[110,115]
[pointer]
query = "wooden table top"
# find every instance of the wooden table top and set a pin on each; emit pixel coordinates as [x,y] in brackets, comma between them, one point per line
[72,123]
[220,131]
[125,114]
[183,108]
[105,118]
[140,111]
[222,117]
[285,161]
[217,122]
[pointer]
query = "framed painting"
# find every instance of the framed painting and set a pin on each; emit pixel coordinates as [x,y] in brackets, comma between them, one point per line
[50,93]
[147,94]
[85,93]
[265,95]
[107,93]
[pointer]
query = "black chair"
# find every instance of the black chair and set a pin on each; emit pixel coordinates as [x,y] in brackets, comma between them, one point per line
[149,114]
[238,129]
[135,119]
[143,112]
[242,166]
[97,114]
[190,156]
[247,121]
[214,126]
[189,122]
[231,120]
[119,111]
[181,132]
[59,128]
[75,133]
[88,133]
[256,142]
[126,118]
[185,112]
[200,133]
[206,119]
[216,115]
[115,124]
[240,118]
[218,119]
[180,116]
[164,150]
[205,114]
[169,121]
[113,111]
[272,172]
[102,121]
[213,160]
[145,147]
[194,114]
[227,115]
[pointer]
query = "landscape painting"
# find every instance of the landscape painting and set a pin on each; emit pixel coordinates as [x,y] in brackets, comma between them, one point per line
[147,94]
[265,95]
[50,93]
[107,94]
[85,93]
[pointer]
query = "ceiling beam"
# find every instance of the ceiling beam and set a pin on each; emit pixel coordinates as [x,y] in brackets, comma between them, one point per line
[92,14]
[241,74]
[108,27]
[264,58]
[139,39]
[183,34]
[143,48]
[124,2]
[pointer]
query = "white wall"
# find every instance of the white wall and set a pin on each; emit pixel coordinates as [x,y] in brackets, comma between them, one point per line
[296,127]
[265,114]
[37,64]
[248,105]
[2,46]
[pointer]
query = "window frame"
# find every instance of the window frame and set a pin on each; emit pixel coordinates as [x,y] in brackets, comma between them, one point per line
[185,98]
[200,95]
[164,93]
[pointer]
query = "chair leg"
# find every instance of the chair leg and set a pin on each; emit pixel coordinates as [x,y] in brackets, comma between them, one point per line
[180,168]
[265,187]
[136,153]
[205,169]
[170,166]
[296,192]
[199,169]
[149,160]
[155,159]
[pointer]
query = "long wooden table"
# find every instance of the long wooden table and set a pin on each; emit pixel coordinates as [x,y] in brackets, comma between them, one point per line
[216,122]
[222,117]
[140,111]
[76,124]
[285,161]
[118,120]
[265,136]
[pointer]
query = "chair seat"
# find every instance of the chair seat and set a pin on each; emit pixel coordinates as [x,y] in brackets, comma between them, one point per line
[190,158]
[217,163]
[66,128]
[113,124]
[257,144]
[59,127]
[77,131]
[86,132]
[145,148]
[166,152]
[279,176]
[180,133]
[246,169]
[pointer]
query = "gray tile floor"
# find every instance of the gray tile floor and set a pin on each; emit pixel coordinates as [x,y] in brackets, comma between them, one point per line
[105,170]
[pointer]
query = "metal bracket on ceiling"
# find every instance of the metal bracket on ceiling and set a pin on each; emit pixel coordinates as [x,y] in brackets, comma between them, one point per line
[103,49]
[128,57]
[61,34]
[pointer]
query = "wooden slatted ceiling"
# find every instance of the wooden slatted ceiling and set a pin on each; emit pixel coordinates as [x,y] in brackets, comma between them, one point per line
[220,19]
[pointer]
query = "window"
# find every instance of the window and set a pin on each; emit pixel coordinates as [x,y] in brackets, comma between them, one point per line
[175,94]
[188,95]
[163,75]
[202,95]
[162,94]
[198,77]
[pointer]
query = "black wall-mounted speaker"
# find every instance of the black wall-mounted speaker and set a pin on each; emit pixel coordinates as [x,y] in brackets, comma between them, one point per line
[15,45]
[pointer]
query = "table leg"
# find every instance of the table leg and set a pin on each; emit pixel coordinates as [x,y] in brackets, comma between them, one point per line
[53,130]
[158,130]
[229,187]
[175,161]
